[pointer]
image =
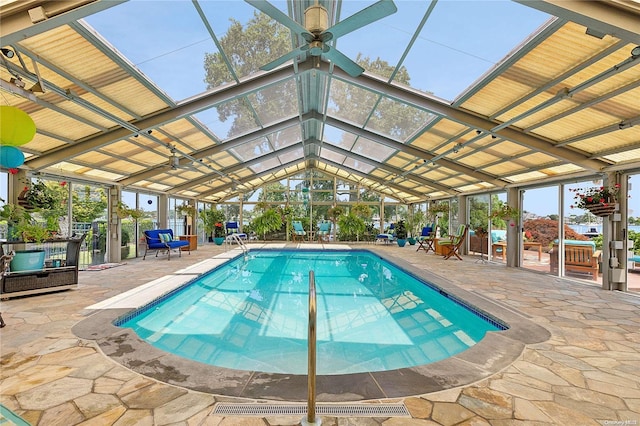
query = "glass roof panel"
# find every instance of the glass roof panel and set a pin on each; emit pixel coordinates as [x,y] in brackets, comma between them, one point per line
[350,103]
[267,164]
[291,156]
[330,155]
[397,120]
[275,102]
[358,165]
[464,39]
[286,137]
[229,119]
[385,39]
[253,149]
[370,149]
[339,138]
[169,58]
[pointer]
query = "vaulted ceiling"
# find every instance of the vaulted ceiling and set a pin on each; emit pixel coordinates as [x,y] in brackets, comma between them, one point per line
[564,102]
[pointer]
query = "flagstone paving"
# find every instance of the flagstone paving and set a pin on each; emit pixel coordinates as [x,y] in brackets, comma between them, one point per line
[586,373]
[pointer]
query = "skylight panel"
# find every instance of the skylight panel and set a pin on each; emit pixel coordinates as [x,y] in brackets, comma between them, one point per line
[462,40]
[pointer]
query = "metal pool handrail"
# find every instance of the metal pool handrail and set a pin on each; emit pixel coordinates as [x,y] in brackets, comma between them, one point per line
[241,243]
[311,341]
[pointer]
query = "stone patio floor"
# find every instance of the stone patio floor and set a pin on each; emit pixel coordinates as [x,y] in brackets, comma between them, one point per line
[587,373]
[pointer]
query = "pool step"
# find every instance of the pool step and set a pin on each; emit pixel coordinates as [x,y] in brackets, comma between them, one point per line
[335,410]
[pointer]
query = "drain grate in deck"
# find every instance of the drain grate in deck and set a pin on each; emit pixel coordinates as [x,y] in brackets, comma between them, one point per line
[337,410]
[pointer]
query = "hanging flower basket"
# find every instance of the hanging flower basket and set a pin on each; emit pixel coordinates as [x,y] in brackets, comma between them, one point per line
[601,209]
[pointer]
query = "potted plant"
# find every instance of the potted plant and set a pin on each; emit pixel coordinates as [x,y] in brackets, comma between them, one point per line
[334,213]
[210,218]
[505,212]
[30,232]
[401,233]
[601,201]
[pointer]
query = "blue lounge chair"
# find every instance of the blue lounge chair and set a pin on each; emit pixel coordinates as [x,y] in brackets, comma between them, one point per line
[298,230]
[162,240]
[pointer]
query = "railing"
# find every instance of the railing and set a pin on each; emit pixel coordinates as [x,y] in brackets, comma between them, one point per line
[238,240]
[311,381]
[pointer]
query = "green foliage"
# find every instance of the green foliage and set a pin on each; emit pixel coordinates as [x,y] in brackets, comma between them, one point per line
[126,238]
[401,230]
[89,204]
[13,213]
[249,48]
[210,218]
[363,211]
[351,227]
[269,221]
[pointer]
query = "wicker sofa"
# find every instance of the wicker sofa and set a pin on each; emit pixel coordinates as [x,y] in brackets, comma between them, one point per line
[161,240]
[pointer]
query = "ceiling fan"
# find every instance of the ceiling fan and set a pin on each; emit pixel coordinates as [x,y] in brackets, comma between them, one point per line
[317,35]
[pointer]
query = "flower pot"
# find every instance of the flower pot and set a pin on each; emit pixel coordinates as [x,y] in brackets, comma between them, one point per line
[218,240]
[601,209]
[401,242]
[27,260]
[412,241]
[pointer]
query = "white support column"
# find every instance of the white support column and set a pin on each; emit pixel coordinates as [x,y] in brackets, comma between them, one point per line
[514,226]
[114,227]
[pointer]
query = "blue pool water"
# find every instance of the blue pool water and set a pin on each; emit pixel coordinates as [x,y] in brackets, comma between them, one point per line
[253,315]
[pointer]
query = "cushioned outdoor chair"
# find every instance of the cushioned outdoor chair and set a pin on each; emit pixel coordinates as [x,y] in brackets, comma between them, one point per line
[388,236]
[323,231]
[234,229]
[451,246]
[298,231]
[426,239]
[162,240]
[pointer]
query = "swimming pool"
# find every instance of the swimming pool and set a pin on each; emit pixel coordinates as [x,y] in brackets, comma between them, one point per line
[253,315]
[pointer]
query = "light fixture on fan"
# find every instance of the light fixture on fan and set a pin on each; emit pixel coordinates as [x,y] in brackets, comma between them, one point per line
[174,161]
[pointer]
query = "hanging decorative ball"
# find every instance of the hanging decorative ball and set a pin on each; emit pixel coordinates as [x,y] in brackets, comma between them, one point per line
[16,127]
[149,202]
[11,157]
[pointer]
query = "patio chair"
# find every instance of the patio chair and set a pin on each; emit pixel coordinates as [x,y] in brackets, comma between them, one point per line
[323,231]
[580,257]
[451,246]
[387,236]
[426,239]
[298,231]
[233,228]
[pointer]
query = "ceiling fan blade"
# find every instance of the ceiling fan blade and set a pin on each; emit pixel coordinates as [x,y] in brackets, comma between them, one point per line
[284,58]
[346,64]
[376,11]
[275,13]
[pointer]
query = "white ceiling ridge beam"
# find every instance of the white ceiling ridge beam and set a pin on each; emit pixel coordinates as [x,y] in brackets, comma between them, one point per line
[602,16]
[391,169]
[19,24]
[484,177]
[382,182]
[193,105]
[467,118]
[237,167]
